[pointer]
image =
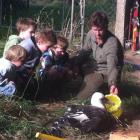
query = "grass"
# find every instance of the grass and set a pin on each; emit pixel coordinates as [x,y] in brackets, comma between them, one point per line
[11,126]
[25,118]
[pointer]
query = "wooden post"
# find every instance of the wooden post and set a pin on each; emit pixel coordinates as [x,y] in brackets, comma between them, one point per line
[71,25]
[120,20]
[82,15]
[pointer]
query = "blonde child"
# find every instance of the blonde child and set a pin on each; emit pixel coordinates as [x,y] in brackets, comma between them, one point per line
[54,67]
[26,28]
[55,57]
[15,56]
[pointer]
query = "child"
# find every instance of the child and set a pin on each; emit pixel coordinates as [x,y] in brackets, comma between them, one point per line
[35,46]
[26,28]
[61,56]
[14,58]
[53,61]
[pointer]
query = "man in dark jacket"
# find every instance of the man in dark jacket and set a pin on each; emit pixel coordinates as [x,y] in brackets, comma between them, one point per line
[106,59]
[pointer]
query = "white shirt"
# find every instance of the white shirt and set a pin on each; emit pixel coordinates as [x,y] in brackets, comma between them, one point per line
[7,70]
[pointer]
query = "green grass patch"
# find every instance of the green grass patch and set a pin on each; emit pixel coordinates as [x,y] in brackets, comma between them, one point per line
[15,116]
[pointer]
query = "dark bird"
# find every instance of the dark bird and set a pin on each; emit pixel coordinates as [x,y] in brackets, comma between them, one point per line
[87,118]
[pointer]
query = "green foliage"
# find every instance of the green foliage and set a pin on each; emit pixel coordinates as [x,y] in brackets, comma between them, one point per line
[56,12]
[50,16]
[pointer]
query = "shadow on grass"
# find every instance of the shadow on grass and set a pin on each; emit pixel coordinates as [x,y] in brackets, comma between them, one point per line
[60,91]
[52,91]
[68,90]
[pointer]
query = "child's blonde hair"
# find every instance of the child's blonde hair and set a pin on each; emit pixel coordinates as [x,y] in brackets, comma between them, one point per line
[24,23]
[16,53]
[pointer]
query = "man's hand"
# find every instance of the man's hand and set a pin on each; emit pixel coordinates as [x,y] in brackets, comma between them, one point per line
[114,90]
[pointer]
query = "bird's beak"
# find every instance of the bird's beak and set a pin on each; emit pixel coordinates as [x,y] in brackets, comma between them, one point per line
[106,101]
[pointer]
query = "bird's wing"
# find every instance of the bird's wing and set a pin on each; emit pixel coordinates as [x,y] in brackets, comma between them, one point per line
[75,113]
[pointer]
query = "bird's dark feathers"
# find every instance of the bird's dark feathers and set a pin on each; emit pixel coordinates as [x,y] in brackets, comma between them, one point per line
[99,119]
[92,119]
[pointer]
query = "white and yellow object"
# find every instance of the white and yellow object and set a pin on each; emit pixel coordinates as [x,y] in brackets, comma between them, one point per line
[114,107]
[47,137]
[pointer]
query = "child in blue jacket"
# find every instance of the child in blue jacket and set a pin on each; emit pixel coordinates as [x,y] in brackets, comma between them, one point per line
[54,61]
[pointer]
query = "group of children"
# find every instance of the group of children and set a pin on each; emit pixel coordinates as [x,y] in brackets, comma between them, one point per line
[29,50]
